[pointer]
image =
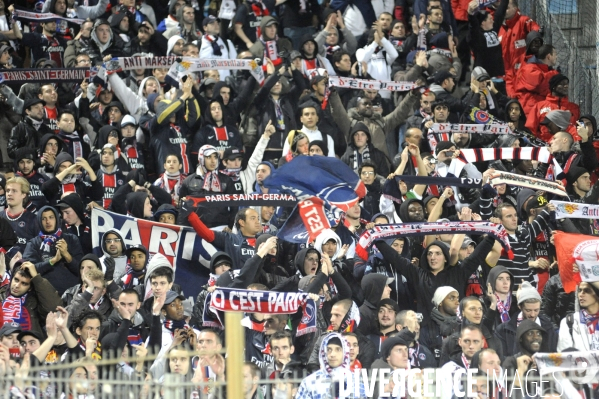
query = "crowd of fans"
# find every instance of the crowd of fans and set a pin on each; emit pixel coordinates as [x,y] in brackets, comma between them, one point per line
[142,143]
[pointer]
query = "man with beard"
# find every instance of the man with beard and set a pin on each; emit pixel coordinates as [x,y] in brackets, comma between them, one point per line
[387,310]
[25,167]
[424,113]
[30,130]
[376,288]
[443,322]
[529,302]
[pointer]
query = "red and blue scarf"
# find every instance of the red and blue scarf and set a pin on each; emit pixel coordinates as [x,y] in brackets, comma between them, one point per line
[14,311]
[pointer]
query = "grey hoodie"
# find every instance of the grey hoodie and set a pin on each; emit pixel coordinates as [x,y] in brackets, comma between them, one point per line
[120,262]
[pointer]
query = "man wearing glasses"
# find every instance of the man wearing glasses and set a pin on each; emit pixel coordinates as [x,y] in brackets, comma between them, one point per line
[114,247]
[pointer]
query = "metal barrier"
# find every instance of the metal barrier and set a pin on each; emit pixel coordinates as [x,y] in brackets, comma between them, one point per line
[571,27]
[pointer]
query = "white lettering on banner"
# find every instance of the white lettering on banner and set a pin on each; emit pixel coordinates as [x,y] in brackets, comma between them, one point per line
[366,84]
[311,217]
[101,228]
[163,238]
[130,232]
[188,246]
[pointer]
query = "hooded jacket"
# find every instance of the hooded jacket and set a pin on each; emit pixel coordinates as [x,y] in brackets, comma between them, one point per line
[95,158]
[317,61]
[373,285]
[53,189]
[120,261]
[257,48]
[223,137]
[36,198]
[83,231]
[237,102]
[354,159]
[524,327]
[291,284]
[492,279]
[380,127]
[114,46]
[135,103]
[425,282]
[62,274]
[70,293]
[318,382]
[577,336]
[48,169]
[532,83]
[508,336]
[512,35]
[542,108]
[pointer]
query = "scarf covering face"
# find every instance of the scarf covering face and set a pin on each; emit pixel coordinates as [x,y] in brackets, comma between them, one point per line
[132,278]
[211,180]
[350,321]
[233,173]
[322,354]
[174,325]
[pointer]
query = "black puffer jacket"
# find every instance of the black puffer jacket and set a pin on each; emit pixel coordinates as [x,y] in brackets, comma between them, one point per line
[25,135]
[556,302]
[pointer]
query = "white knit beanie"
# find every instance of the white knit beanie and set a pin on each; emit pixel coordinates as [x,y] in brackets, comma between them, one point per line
[527,291]
[441,293]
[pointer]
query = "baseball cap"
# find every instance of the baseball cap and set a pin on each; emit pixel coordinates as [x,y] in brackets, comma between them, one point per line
[536,202]
[9,328]
[5,47]
[467,242]
[171,296]
[135,247]
[128,120]
[32,333]
[210,19]
[440,76]
[232,153]
[480,74]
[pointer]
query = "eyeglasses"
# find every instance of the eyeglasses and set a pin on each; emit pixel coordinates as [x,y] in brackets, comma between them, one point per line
[112,240]
[367,173]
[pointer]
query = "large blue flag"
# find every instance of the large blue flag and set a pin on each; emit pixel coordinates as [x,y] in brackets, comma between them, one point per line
[324,186]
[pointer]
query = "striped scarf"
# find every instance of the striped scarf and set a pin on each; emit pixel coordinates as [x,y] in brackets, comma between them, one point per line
[132,277]
[504,309]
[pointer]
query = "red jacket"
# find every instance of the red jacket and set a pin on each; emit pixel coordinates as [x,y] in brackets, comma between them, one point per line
[551,103]
[512,36]
[460,10]
[532,84]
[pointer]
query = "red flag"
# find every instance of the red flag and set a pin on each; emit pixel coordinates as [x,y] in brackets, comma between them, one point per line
[580,250]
